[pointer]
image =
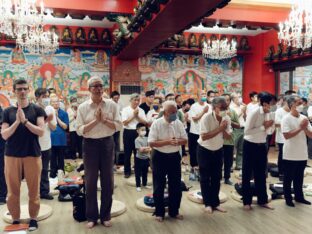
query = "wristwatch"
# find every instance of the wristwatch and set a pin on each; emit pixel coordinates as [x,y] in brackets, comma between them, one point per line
[25,122]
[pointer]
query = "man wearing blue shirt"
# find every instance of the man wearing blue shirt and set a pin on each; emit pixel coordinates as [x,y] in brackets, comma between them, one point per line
[58,138]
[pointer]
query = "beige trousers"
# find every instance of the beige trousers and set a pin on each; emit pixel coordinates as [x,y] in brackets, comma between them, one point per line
[15,169]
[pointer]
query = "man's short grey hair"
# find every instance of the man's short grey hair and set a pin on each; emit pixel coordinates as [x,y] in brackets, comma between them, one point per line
[218,100]
[291,99]
[167,104]
[134,96]
[94,79]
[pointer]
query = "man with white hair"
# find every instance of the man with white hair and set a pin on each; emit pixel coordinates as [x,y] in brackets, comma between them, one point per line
[295,128]
[214,127]
[97,121]
[131,116]
[166,136]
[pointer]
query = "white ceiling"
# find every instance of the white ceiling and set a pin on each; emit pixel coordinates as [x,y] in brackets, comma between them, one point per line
[229,31]
[68,21]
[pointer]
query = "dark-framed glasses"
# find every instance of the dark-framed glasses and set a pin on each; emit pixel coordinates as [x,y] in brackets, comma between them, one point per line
[22,89]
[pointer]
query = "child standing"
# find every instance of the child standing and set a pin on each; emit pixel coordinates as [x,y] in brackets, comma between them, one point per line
[142,157]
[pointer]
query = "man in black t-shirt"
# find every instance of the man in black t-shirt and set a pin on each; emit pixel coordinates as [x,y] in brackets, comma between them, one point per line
[146,106]
[20,128]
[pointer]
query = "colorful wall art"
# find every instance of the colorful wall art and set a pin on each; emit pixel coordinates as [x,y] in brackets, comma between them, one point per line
[67,71]
[302,82]
[188,74]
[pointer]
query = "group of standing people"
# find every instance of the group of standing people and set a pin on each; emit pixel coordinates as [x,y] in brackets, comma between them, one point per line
[214,127]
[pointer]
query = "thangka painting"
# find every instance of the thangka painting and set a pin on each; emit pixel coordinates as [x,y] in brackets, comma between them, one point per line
[67,71]
[188,74]
[302,82]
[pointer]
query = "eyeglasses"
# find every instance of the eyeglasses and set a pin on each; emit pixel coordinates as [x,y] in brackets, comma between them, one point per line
[22,89]
[99,86]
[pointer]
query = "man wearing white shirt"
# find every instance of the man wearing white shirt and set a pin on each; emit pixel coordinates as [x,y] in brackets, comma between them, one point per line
[213,127]
[131,116]
[279,137]
[166,136]
[254,102]
[295,128]
[255,152]
[43,100]
[115,96]
[196,112]
[240,109]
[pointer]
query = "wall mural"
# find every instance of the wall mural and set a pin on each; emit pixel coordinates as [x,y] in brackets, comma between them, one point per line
[302,83]
[284,82]
[67,71]
[188,74]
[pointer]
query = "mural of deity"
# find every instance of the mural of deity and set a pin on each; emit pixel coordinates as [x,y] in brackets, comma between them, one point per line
[101,59]
[189,83]
[84,81]
[18,56]
[7,81]
[76,56]
[162,65]
[48,72]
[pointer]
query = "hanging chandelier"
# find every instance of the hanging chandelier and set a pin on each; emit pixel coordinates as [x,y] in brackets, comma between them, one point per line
[39,42]
[296,31]
[22,20]
[219,49]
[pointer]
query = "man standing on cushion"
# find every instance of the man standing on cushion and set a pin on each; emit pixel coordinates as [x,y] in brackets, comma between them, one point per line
[214,127]
[43,100]
[97,121]
[20,128]
[166,136]
[295,128]
[255,155]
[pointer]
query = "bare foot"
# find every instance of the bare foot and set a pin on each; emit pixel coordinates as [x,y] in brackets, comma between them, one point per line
[247,207]
[219,208]
[179,217]
[90,225]
[159,219]
[267,206]
[208,209]
[107,223]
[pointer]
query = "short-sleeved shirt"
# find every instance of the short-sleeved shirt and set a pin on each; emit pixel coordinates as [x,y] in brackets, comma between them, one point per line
[162,130]
[279,115]
[295,148]
[127,112]
[45,140]
[195,110]
[58,136]
[145,107]
[141,142]
[23,142]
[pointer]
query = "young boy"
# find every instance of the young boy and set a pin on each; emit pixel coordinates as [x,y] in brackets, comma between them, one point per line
[142,157]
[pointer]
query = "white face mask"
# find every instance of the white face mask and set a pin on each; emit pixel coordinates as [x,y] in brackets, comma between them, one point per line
[240,100]
[222,114]
[45,101]
[142,133]
[299,108]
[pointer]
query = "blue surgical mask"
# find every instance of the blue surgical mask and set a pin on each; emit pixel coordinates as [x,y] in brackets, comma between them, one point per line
[203,99]
[172,117]
[156,107]
[45,101]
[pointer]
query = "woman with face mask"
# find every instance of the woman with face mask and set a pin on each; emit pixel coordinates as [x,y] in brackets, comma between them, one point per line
[214,127]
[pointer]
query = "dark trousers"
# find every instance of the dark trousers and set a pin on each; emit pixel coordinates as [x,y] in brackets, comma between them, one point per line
[280,159]
[166,165]
[3,186]
[57,160]
[98,155]
[141,170]
[192,144]
[129,148]
[44,182]
[210,170]
[228,151]
[75,144]
[294,172]
[117,146]
[254,162]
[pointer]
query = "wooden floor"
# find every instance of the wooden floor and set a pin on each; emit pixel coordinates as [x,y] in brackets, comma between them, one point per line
[282,220]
